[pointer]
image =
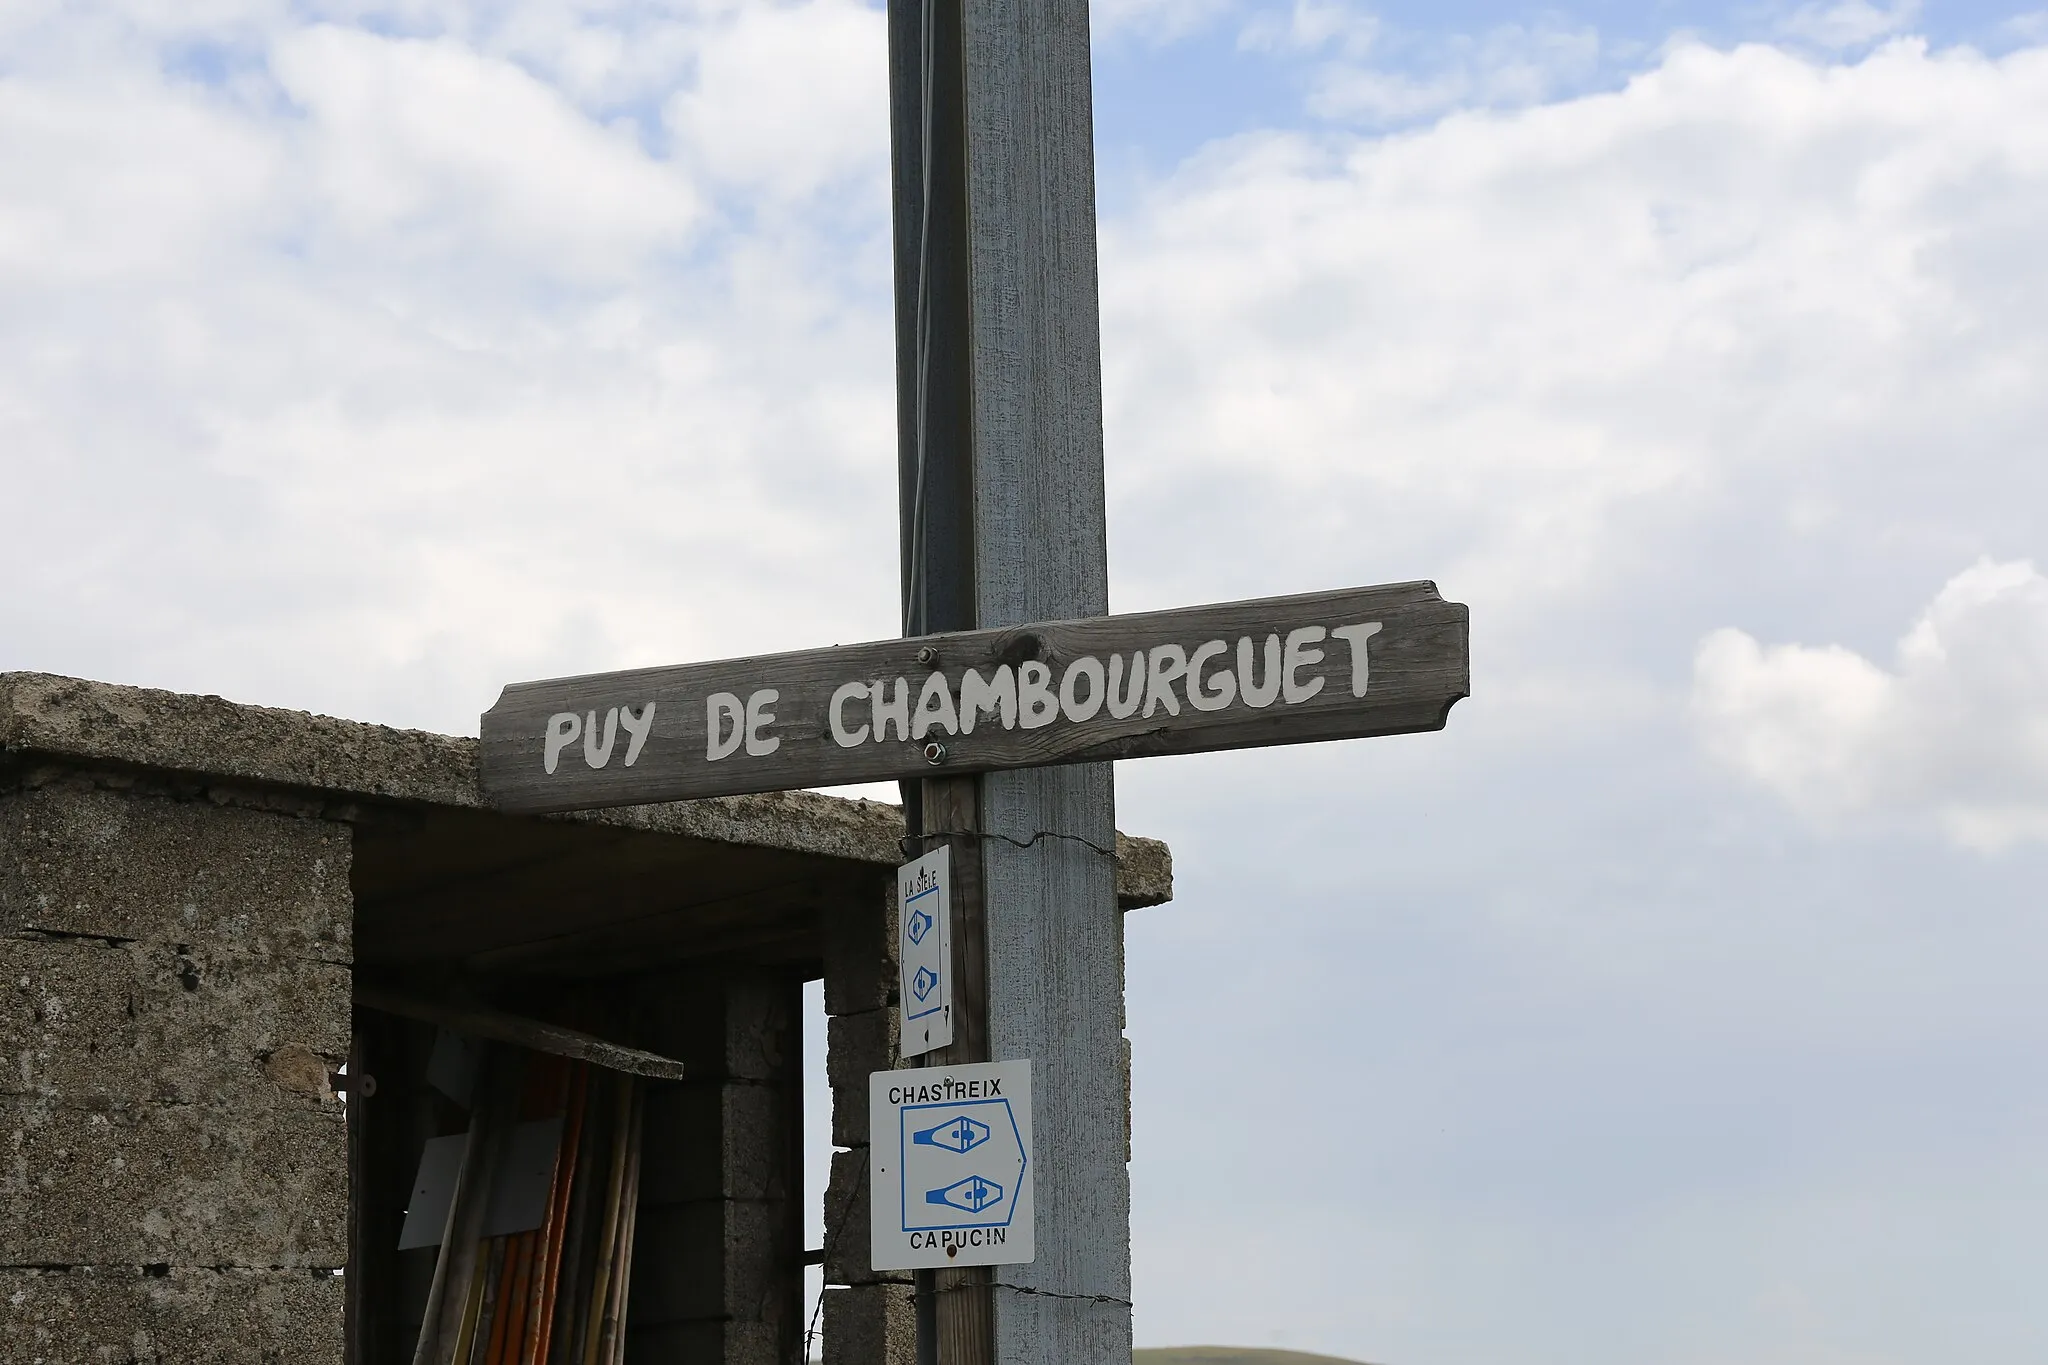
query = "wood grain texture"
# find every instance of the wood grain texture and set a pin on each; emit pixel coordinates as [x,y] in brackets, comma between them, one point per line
[963,1317]
[497,1027]
[1055,940]
[1417,667]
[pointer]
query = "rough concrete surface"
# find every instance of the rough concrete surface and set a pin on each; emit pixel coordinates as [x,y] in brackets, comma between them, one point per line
[168,1316]
[855,1046]
[848,1248]
[71,718]
[174,991]
[116,1024]
[181,1184]
[872,1324]
[80,859]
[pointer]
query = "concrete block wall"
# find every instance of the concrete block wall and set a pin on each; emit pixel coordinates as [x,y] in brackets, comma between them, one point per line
[718,1253]
[869,1315]
[174,992]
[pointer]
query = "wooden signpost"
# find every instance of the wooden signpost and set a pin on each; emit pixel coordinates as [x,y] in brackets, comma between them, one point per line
[1283,670]
[1015,686]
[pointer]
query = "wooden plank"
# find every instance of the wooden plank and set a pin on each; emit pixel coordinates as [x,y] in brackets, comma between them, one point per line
[552,1039]
[1283,670]
[963,1320]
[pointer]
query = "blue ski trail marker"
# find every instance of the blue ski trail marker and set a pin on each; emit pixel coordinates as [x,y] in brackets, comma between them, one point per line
[973,1194]
[924,949]
[960,1134]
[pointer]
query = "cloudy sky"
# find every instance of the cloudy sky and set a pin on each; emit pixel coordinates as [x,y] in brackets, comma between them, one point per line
[1681,1004]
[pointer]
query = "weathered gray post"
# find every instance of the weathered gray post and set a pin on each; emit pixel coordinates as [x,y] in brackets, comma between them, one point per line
[1000,403]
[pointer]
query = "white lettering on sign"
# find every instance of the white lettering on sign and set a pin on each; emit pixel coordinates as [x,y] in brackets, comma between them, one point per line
[720,708]
[843,737]
[1220,691]
[1073,705]
[565,726]
[997,697]
[1123,702]
[1213,676]
[731,724]
[1293,691]
[1361,666]
[1258,695]
[759,718]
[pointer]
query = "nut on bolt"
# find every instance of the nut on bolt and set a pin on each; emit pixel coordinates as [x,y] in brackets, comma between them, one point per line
[928,655]
[934,752]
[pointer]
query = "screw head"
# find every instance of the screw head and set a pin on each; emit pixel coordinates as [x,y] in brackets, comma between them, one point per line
[934,752]
[928,655]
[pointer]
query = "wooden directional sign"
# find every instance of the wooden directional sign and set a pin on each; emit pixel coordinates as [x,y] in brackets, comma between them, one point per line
[1282,670]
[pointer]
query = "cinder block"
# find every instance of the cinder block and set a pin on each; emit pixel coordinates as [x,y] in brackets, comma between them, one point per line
[722,1141]
[860,946]
[685,1139]
[708,1343]
[716,1259]
[870,1324]
[93,1316]
[679,1263]
[178,1185]
[762,1026]
[757,1343]
[847,1234]
[76,859]
[674,1343]
[93,1024]
[728,1023]
[855,1046]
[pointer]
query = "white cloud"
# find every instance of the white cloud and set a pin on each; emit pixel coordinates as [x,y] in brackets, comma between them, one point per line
[1365,70]
[1153,21]
[1313,25]
[1564,358]
[323,384]
[426,145]
[2031,27]
[790,99]
[1849,23]
[1955,729]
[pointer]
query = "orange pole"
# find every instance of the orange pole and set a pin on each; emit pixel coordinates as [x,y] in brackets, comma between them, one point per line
[558,1217]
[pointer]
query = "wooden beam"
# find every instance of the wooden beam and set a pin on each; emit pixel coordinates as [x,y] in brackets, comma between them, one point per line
[494,1026]
[1045,684]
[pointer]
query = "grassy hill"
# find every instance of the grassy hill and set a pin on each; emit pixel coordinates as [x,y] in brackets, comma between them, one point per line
[1229,1355]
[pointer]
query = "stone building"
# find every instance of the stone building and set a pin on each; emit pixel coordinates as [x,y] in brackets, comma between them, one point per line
[198,901]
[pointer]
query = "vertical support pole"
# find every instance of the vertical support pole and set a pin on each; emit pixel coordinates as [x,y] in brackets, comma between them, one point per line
[1054,937]
[934,407]
[1000,419]
[963,1317]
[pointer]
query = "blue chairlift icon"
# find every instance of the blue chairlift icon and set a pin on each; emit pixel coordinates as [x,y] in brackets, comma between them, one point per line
[961,1134]
[973,1194]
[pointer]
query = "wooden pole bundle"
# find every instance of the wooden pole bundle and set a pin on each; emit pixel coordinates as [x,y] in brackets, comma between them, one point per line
[556,1294]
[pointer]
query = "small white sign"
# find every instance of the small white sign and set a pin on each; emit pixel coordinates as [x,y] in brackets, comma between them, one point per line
[924,947]
[950,1155]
